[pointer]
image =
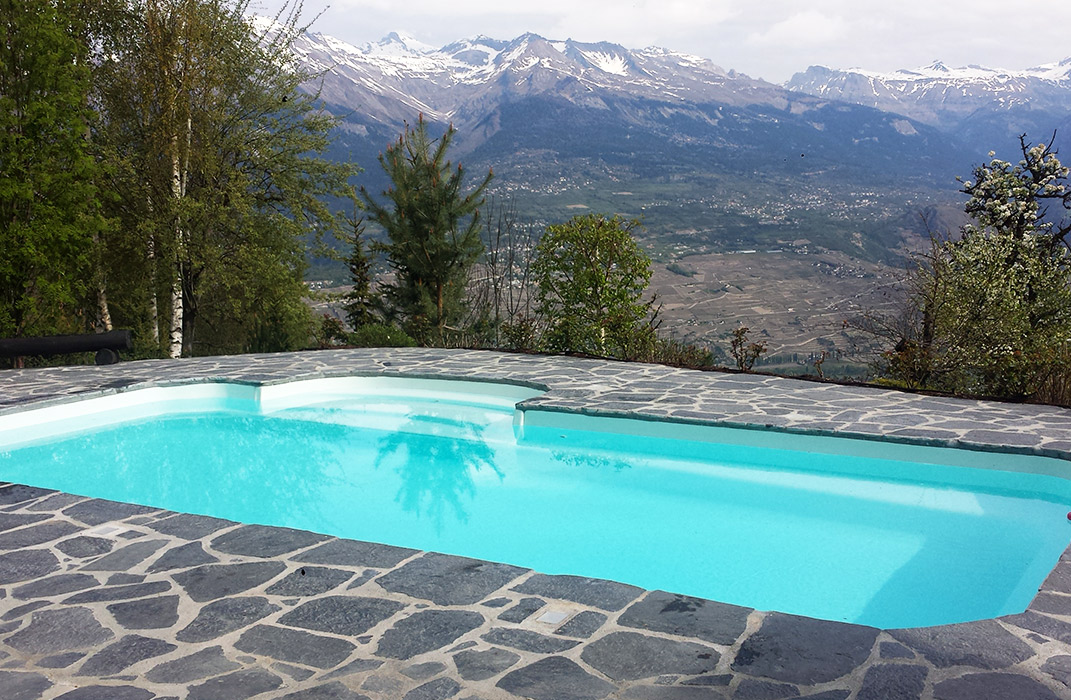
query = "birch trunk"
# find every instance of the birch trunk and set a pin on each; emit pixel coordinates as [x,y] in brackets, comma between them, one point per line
[178,182]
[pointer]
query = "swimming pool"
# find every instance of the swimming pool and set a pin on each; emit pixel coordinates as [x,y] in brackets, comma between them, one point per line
[861,531]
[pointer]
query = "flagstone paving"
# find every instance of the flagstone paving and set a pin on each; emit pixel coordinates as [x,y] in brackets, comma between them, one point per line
[111,601]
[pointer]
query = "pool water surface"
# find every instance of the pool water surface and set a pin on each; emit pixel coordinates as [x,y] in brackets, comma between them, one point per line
[838,529]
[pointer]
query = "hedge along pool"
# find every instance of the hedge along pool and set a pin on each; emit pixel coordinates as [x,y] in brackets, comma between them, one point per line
[869,532]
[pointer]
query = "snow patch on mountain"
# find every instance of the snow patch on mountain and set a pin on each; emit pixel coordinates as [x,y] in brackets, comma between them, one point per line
[607,62]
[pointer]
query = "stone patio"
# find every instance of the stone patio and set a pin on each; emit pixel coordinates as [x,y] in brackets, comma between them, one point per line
[110,601]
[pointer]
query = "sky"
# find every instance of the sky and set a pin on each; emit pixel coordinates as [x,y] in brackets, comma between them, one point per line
[770,39]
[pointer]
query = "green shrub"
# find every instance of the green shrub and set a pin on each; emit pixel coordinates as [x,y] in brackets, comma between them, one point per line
[381,335]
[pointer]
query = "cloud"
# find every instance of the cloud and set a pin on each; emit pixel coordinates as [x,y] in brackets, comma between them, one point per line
[771,39]
[809,28]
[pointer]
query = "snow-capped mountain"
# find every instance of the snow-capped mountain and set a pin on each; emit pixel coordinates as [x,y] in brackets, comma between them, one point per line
[947,97]
[648,109]
[398,75]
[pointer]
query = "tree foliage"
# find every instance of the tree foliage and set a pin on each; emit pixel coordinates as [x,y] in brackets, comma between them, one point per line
[591,277]
[48,199]
[213,153]
[990,310]
[433,232]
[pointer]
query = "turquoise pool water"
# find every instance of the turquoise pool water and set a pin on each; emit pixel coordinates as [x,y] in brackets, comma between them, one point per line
[863,539]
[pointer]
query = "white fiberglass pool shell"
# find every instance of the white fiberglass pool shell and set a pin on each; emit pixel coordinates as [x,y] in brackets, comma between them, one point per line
[865,531]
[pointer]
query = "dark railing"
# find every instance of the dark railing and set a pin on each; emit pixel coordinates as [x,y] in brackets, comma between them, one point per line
[105,345]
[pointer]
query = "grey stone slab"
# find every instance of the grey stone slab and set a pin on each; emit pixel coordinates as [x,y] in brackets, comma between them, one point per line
[236,686]
[107,692]
[984,644]
[26,564]
[1059,667]
[992,686]
[473,665]
[126,558]
[51,631]
[384,685]
[522,610]
[1054,603]
[9,521]
[1001,437]
[424,671]
[198,665]
[224,616]
[56,502]
[628,656]
[355,666]
[355,554]
[582,625]
[804,651]
[893,682]
[17,493]
[438,689]
[829,695]
[526,640]
[555,678]
[124,653]
[894,650]
[592,592]
[298,673]
[294,646]
[751,689]
[496,602]
[212,581]
[1059,579]
[670,613]
[657,692]
[84,546]
[327,691]
[264,542]
[107,593]
[54,585]
[1042,624]
[24,609]
[716,680]
[425,631]
[366,576]
[37,534]
[61,660]
[147,614]
[124,578]
[17,685]
[448,580]
[309,581]
[182,557]
[343,615]
[97,511]
[189,527]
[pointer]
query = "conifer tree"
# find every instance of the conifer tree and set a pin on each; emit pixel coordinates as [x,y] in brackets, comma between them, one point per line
[433,231]
[48,211]
[359,300]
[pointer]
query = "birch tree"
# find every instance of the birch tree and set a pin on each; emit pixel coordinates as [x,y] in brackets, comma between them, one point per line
[217,174]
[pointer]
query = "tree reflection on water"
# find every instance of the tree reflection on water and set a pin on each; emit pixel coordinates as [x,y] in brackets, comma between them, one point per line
[436,456]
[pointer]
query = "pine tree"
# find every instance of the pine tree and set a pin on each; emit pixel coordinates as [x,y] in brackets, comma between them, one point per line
[359,300]
[433,232]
